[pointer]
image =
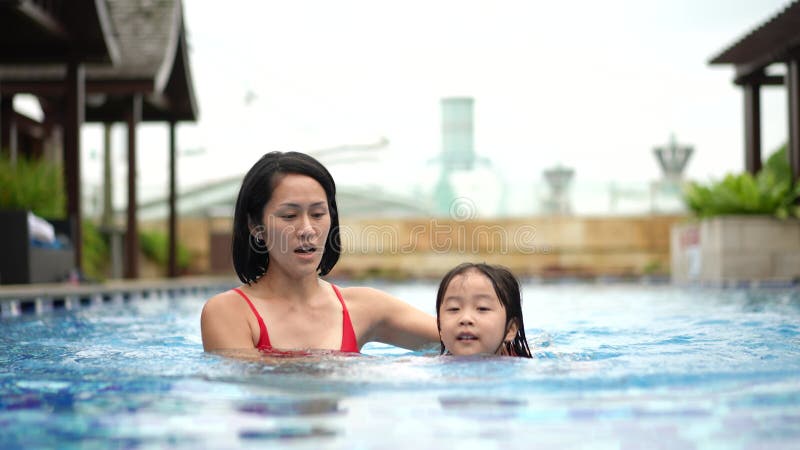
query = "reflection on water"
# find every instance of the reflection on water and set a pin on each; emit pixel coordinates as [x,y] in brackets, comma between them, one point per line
[282,407]
[483,406]
[283,433]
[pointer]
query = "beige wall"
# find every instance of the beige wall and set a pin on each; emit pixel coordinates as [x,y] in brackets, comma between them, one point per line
[530,246]
[429,247]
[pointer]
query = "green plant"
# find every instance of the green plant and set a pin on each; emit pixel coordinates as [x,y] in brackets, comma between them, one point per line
[94,255]
[653,267]
[770,192]
[154,247]
[778,163]
[35,185]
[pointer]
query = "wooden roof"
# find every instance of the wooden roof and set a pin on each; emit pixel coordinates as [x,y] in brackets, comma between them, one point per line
[34,31]
[770,42]
[153,60]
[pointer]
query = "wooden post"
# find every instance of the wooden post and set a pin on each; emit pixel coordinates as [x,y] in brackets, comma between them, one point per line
[73,119]
[108,204]
[793,91]
[132,234]
[752,127]
[8,127]
[173,229]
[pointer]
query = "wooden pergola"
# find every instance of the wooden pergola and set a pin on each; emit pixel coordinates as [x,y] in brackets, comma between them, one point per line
[134,68]
[776,41]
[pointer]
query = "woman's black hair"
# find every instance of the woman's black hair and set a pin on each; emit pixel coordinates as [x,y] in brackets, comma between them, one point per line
[508,291]
[250,258]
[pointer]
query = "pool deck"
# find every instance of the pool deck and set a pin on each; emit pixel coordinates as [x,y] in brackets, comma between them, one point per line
[24,299]
[31,299]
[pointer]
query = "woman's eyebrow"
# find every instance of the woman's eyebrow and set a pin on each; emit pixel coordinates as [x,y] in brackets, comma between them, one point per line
[298,205]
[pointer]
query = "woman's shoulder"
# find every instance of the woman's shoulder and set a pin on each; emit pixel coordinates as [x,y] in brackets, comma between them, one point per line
[221,322]
[224,303]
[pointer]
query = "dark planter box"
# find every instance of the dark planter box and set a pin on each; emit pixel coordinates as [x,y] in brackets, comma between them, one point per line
[21,262]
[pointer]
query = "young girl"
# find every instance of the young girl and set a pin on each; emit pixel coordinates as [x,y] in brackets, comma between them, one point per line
[479,311]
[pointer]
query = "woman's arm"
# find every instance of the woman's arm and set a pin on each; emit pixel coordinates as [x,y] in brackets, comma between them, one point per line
[392,320]
[223,324]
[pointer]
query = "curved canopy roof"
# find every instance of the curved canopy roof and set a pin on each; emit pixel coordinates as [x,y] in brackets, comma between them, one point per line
[152,60]
[772,41]
[41,32]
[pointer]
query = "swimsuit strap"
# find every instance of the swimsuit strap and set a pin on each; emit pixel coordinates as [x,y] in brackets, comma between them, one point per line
[263,339]
[349,342]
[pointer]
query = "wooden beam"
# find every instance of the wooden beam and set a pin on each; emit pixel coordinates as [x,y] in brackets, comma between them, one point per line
[55,88]
[73,119]
[763,80]
[173,226]
[43,19]
[744,71]
[752,128]
[766,58]
[120,87]
[132,235]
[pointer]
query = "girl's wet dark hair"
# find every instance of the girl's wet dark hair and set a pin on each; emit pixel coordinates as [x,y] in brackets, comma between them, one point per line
[508,291]
[250,259]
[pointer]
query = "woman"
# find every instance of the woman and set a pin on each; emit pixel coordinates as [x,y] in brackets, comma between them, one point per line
[285,237]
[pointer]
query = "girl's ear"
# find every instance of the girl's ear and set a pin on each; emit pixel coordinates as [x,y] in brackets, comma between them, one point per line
[511,332]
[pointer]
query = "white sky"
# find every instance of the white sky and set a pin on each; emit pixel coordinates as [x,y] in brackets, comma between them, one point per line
[594,85]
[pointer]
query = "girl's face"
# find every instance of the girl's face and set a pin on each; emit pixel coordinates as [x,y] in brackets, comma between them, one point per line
[471,318]
[296,225]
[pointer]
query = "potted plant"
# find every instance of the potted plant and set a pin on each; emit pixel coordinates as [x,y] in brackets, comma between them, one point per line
[746,228]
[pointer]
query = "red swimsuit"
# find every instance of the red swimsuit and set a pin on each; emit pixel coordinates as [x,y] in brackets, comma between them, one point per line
[349,344]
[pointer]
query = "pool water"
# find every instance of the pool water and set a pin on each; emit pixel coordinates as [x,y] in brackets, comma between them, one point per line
[615,366]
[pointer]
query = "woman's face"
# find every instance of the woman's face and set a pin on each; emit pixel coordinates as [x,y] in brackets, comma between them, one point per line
[296,225]
[471,318]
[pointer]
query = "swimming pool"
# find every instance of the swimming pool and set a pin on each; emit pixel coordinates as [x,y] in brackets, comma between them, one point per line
[615,366]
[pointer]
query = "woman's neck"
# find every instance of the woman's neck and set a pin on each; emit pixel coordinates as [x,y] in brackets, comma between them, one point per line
[276,285]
